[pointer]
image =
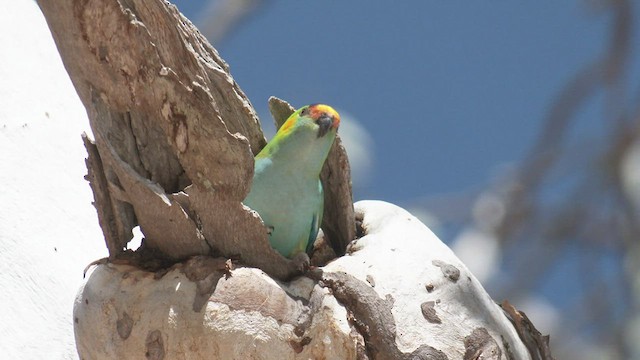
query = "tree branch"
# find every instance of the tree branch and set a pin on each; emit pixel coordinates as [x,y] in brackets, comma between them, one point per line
[174,132]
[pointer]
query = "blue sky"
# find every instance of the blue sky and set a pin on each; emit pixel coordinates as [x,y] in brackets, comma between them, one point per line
[449,91]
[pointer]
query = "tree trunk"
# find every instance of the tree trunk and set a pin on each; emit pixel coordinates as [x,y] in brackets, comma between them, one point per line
[173,153]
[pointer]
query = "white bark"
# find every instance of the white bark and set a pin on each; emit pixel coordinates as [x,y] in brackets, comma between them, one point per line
[398,293]
[48,228]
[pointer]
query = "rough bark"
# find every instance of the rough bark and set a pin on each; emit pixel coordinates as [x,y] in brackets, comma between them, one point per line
[369,304]
[174,133]
[173,146]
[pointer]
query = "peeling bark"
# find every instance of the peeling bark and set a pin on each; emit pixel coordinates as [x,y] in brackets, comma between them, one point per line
[480,345]
[174,134]
[449,271]
[334,313]
[155,346]
[537,344]
[371,315]
[173,153]
[429,312]
[116,218]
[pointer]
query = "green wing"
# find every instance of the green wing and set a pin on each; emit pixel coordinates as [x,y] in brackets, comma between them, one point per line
[313,233]
[316,221]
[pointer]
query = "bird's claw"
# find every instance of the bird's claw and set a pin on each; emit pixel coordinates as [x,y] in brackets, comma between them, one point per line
[302,262]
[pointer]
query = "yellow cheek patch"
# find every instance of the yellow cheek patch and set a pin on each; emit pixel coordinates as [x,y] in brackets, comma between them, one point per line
[286,127]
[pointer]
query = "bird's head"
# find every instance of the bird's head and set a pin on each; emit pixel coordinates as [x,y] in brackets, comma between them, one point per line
[319,118]
[307,135]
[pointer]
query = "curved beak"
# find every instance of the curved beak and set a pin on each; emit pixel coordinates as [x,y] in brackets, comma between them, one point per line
[325,122]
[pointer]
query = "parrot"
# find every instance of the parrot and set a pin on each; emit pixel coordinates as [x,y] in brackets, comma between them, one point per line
[286,190]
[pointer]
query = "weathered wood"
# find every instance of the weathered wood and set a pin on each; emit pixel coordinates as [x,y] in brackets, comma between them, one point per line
[174,132]
[116,224]
[365,305]
[338,222]
[173,153]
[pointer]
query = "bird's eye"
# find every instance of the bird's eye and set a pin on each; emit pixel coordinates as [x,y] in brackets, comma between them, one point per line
[304,111]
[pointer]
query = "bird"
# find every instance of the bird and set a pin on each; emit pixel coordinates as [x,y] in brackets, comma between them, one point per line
[286,190]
